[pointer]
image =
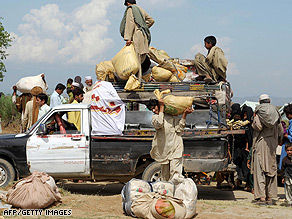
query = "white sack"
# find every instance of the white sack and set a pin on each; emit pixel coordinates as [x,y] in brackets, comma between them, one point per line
[107,110]
[24,85]
[187,191]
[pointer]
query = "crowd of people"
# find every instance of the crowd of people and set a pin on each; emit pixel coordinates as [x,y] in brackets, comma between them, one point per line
[34,105]
[254,153]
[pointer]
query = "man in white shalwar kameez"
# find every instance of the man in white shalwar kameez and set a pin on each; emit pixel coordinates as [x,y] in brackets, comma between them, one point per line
[167,145]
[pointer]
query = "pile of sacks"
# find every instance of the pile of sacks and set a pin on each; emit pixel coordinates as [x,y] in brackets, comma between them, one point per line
[124,66]
[159,199]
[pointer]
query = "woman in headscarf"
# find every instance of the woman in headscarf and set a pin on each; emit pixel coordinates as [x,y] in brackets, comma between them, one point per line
[77,79]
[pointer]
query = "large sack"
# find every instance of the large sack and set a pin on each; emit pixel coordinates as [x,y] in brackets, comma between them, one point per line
[125,62]
[187,192]
[105,70]
[161,74]
[174,105]
[165,188]
[107,110]
[34,192]
[157,206]
[24,85]
[177,69]
[157,56]
[132,83]
[131,191]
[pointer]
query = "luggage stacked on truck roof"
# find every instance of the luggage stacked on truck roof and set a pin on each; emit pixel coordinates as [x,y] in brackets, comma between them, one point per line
[125,64]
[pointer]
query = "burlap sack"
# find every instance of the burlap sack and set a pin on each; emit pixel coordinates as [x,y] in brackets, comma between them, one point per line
[105,70]
[157,56]
[161,74]
[174,78]
[175,68]
[146,206]
[125,62]
[132,83]
[33,192]
[174,105]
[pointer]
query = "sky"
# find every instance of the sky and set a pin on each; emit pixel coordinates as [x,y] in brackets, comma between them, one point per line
[67,38]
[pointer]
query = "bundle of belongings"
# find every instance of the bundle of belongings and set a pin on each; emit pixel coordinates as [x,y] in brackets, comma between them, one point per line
[236,124]
[24,85]
[36,191]
[124,66]
[174,105]
[152,200]
[107,110]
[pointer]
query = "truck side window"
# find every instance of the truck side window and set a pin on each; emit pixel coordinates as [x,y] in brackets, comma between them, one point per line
[74,117]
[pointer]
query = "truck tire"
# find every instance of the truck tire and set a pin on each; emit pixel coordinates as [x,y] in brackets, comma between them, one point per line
[152,172]
[7,173]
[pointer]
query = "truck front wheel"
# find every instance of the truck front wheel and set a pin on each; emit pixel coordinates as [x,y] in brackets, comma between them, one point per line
[152,172]
[7,173]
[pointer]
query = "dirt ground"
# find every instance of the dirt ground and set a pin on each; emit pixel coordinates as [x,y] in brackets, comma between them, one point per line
[102,200]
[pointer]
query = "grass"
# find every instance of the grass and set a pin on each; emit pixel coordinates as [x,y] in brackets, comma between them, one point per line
[8,112]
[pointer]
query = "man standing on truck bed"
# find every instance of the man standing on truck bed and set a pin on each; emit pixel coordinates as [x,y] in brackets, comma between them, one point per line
[167,144]
[268,132]
[213,67]
[135,29]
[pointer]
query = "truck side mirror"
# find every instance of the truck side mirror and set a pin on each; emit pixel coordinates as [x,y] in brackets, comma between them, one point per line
[42,130]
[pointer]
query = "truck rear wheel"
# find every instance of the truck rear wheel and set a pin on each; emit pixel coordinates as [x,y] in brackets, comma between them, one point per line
[7,173]
[152,172]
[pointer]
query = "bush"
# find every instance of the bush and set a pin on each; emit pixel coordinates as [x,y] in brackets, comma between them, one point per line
[8,112]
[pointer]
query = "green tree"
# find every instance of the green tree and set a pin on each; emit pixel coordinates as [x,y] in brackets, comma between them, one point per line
[5,40]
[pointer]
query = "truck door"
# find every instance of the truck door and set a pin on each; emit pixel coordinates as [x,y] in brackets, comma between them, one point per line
[57,147]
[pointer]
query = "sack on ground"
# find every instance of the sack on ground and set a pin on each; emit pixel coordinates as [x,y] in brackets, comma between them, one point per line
[157,206]
[174,105]
[34,192]
[187,192]
[105,71]
[125,62]
[157,56]
[24,85]
[162,187]
[131,191]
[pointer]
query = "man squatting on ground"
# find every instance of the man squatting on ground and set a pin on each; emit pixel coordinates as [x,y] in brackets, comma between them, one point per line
[167,144]
[135,29]
[268,133]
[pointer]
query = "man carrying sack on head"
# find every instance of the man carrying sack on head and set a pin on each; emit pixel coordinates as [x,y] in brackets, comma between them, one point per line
[31,109]
[135,29]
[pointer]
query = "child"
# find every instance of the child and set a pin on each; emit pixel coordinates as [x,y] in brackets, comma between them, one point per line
[288,135]
[213,67]
[286,172]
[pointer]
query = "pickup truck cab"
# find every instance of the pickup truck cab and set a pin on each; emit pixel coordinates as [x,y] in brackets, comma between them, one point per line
[76,154]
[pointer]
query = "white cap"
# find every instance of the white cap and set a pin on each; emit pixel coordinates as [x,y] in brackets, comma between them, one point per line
[75,84]
[88,78]
[264,97]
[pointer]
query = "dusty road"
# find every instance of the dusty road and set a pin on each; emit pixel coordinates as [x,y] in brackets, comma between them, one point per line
[103,201]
